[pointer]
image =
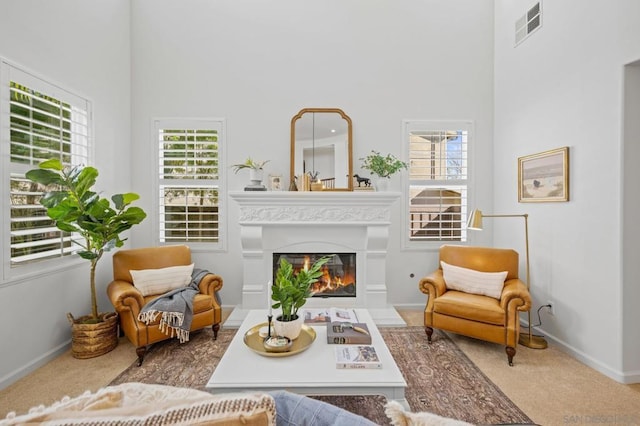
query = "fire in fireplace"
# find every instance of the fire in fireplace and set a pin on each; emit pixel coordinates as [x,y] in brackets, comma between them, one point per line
[338,274]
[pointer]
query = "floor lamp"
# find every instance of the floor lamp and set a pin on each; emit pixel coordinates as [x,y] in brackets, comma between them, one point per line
[475,223]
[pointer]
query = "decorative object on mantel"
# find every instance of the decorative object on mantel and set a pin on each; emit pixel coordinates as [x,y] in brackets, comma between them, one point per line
[382,166]
[275,182]
[290,291]
[78,210]
[321,144]
[256,173]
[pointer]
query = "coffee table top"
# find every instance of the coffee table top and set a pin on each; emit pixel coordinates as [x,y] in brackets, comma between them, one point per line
[312,372]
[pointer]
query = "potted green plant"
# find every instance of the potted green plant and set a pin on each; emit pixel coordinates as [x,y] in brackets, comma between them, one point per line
[76,208]
[290,292]
[256,172]
[382,166]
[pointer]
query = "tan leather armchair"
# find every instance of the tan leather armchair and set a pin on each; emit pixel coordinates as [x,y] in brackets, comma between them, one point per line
[473,315]
[128,301]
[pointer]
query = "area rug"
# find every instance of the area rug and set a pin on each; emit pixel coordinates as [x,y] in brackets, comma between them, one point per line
[441,379]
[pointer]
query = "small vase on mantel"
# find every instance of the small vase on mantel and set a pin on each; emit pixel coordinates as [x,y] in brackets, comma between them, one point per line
[255,176]
[382,184]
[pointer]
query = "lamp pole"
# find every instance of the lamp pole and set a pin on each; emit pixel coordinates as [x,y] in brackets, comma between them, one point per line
[475,223]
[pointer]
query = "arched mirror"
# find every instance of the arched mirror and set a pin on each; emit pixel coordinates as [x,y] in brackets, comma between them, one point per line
[321,149]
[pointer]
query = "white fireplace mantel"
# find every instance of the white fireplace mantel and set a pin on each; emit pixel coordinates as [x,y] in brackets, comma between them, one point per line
[275,221]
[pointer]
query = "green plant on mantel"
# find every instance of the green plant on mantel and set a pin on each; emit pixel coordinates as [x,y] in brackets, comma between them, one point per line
[249,164]
[382,165]
[77,209]
[291,289]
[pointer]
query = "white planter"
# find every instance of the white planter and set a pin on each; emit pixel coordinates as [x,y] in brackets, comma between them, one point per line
[382,184]
[255,176]
[290,329]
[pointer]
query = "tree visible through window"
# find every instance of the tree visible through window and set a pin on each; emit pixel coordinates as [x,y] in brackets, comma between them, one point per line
[44,122]
[189,190]
[438,182]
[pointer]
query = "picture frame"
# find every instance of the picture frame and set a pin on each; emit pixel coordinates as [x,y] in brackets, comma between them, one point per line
[544,177]
[275,182]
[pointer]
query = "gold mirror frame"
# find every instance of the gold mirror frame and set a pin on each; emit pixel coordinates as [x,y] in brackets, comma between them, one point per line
[348,156]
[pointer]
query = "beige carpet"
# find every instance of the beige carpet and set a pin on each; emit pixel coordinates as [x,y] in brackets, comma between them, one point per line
[551,387]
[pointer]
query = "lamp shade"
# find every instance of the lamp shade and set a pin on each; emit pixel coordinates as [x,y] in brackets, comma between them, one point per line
[475,220]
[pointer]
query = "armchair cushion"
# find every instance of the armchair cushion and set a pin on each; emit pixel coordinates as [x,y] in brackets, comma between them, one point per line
[159,281]
[474,282]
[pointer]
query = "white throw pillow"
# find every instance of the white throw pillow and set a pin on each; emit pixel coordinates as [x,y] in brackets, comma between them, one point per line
[159,281]
[471,281]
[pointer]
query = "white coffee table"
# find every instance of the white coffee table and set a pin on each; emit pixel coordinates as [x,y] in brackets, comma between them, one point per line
[312,372]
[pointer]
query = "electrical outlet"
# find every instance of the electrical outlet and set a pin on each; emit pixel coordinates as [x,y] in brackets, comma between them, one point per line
[550,307]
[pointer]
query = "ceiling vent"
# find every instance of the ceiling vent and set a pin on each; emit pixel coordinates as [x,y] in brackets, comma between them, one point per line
[528,23]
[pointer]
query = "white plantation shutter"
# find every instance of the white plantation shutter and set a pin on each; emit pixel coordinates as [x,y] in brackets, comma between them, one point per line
[44,121]
[436,207]
[189,180]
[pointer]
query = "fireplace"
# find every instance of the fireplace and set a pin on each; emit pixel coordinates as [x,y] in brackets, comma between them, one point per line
[338,274]
[297,223]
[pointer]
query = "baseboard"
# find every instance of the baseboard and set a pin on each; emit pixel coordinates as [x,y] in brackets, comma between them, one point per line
[623,377]
[9,379]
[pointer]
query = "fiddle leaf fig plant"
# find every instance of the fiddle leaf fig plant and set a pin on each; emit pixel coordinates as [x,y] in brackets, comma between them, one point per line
[76,208]
[291,289]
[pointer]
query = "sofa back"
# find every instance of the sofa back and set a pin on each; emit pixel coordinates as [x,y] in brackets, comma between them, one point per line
[148,258]
[484,259]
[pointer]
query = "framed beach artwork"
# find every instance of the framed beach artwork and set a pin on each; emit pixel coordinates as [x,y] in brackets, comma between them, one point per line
[544,177]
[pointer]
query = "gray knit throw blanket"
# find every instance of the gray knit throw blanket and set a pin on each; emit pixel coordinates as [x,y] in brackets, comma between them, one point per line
[175,308]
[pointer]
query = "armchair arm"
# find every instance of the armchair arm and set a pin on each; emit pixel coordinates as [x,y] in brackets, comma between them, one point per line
[210,284]
[515,296]
[433,284]
[125,296]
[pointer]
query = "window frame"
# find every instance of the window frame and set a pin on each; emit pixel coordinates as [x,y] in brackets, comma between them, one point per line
[409,125]
[10,71]
[192,124]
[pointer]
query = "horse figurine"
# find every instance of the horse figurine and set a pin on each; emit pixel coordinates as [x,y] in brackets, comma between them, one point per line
[366,181]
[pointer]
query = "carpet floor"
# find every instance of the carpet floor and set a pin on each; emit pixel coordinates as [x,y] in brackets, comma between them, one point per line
[440,377]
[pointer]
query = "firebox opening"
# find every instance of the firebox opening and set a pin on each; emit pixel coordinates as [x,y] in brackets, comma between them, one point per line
[338,274]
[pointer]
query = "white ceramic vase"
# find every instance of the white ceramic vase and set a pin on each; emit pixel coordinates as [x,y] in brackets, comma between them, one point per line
[255,176]
[382,184]
[290,329]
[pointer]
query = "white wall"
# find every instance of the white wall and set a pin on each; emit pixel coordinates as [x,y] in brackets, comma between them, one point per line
[33,34]
[563,87]
[257,63]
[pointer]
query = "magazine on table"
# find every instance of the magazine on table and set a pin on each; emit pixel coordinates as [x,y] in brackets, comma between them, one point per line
[349,333]
[328,315]
[357,356]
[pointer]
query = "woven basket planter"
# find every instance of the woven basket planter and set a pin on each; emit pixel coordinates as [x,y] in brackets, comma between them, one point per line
[92,340]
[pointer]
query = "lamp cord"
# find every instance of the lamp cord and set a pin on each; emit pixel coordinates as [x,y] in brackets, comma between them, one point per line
[539,319]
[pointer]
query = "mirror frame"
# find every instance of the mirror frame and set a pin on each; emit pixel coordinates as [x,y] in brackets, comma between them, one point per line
[349,143]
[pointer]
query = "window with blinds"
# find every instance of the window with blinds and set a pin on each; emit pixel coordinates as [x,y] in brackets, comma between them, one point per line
[45,122]
[189,181]
[438,181]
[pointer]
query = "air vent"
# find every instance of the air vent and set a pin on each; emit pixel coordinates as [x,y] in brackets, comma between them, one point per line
[528,23]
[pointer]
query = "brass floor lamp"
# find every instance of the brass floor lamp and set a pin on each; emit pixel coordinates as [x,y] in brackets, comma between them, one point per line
[475,223]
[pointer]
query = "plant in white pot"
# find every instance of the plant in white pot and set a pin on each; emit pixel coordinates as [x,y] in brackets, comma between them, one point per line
[77,209]
[256,172]
[383,166]
[290,292]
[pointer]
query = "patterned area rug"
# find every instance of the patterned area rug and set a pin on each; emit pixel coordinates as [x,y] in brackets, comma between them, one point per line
[440,377]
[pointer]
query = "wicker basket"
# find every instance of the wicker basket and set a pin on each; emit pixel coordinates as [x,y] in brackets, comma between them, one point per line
[92,340]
